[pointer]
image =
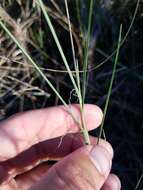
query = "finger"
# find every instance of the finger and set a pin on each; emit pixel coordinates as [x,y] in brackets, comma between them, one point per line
[22,131]
[28,179]
[112,183]
[48,150]
[11,185]
[86,168]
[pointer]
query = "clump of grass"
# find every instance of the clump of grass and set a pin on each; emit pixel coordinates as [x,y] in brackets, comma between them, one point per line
[19,84]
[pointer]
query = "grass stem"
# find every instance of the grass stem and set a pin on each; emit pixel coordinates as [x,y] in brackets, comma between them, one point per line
[111,83]
[86,48]
[139,182]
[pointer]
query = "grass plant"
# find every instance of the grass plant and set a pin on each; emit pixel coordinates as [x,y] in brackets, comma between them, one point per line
[76,81]
[24,75]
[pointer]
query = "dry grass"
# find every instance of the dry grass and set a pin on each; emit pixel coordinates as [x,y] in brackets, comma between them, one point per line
[19,82]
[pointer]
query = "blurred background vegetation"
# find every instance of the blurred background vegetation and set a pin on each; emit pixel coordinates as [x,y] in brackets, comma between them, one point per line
[21,88]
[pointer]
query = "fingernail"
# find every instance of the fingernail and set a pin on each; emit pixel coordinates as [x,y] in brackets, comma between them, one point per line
[101,159]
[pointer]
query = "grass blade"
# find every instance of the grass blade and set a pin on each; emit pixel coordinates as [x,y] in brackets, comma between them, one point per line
[139,182]
[78,76]
[70,31]
[73,52]
[111,82]
[87,41]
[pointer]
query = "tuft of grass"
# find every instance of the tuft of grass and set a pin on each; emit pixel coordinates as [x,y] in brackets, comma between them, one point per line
[77,90]
[31,61]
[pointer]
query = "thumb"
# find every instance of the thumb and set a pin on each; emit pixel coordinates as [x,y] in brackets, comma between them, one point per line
[86,168]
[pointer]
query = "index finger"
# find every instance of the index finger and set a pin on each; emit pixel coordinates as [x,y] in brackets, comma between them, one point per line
[23,130]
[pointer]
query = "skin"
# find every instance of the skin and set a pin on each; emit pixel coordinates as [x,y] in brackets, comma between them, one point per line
[29,140]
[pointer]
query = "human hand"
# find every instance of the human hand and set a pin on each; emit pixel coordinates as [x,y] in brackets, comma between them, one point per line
[28,140]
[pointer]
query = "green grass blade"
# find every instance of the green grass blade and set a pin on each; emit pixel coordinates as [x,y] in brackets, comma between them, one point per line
[53,32]
[78,76]
[132,22]
[139,182]
[111,83]
[87,41]
[83,126]
[73,53]
[85,65]
[70,32]
[32,62]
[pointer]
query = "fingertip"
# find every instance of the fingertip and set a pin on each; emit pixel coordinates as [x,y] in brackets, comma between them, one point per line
[107,146]
[93,116]
[112,183]
[101,159]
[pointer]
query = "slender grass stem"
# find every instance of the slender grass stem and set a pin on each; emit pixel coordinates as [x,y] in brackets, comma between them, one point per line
[70,32]
[73,52]
[139,182]
[87,41]
[83,125]
[84,129]
[111,83]
[78,76]
[85,65]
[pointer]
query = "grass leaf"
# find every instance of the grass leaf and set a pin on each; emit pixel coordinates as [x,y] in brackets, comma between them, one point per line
[86,48]
[139,182]
[111,83]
